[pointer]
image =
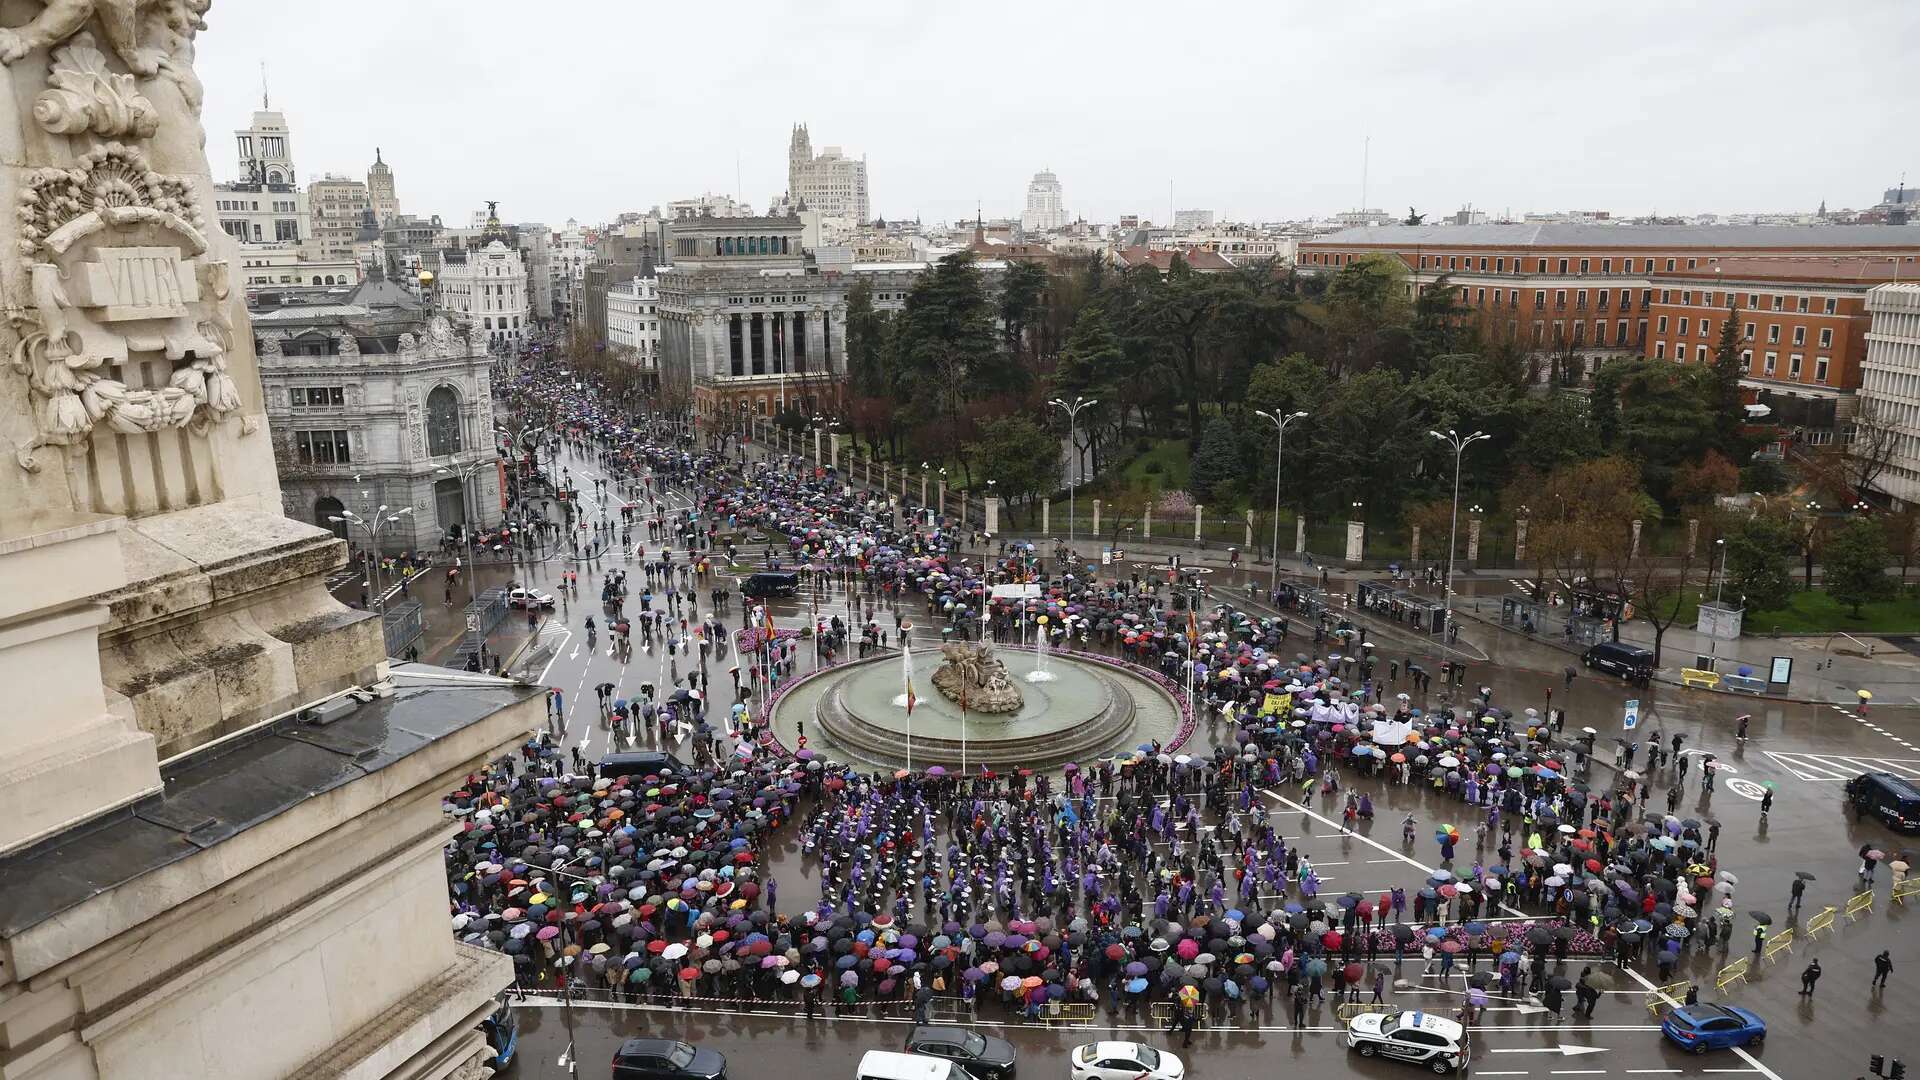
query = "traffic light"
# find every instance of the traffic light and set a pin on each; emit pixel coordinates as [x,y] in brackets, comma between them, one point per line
[1876,1064]
[1898,1071]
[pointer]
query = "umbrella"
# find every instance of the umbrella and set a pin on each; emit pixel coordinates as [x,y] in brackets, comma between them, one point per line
[1761,917]
[1803,875]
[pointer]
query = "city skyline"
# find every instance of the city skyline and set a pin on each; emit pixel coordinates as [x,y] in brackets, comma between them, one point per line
[1642,126]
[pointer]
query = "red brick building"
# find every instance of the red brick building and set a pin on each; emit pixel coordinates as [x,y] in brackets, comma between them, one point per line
[1593,289]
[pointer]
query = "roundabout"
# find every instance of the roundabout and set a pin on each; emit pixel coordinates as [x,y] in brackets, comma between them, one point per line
[1071,708]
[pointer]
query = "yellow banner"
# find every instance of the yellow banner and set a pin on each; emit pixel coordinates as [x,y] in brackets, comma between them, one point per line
[1276,704]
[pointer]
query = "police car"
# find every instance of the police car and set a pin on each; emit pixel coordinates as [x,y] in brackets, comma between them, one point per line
[1417,1037]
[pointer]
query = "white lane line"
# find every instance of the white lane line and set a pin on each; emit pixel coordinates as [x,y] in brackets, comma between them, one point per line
[1653,1072]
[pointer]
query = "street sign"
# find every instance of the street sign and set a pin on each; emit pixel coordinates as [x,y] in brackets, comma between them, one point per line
[1633,713]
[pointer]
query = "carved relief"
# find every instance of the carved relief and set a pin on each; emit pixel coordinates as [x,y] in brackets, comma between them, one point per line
[349,345]
[439,336]
[86,96]
[409,347]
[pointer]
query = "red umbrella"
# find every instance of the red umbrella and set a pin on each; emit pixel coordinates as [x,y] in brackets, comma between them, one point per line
[1352,972]
[1116,952]
[1331,939]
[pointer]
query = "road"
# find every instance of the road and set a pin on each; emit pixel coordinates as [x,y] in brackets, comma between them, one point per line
[1807,751]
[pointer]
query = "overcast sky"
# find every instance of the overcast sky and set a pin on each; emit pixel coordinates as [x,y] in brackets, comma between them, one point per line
[1257,109]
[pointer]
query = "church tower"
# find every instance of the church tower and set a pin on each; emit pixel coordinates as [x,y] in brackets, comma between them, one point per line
[799,160]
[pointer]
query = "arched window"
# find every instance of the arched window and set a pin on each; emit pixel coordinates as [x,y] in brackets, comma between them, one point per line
[325,509]
[443,421]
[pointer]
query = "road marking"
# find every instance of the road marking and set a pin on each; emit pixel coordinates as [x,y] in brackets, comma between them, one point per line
[1563,1049]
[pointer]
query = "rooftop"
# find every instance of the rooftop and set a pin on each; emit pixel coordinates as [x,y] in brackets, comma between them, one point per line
[230,787]
[1571,234]
[1864,270]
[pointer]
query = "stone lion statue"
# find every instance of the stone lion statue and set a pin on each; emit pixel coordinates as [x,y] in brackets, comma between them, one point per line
[969,673]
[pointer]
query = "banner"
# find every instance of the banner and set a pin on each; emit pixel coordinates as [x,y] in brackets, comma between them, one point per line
[1276,705]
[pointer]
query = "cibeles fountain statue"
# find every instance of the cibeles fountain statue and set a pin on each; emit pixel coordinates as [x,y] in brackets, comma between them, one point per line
[972,675]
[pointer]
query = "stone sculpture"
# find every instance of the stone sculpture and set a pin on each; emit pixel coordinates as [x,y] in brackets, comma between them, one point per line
[972,675]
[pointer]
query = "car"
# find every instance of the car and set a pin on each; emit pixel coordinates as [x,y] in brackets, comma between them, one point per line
[667,1059]
[1700,1028]
[1125,1061]
[1893,799]
[639,763]
[770,583]
[888,1065]
[1415,1037]
[502,1030]
[518,597]
[984,1056]
[1617,658]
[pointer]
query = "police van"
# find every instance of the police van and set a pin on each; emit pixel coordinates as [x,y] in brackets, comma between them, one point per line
[1420,1038]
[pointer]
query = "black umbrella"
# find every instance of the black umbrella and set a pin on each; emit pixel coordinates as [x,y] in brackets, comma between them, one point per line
[1803,875]
[1559,982]
[1761,917]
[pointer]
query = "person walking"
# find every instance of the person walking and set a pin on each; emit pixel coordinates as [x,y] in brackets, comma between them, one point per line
[1300,1006]
[1799,892]
[1882,967]
[1809,976]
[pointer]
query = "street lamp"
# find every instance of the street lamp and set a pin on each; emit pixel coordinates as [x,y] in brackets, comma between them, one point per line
[373,528]
[1459,444]
[1073,416]
[1280,425]
[1720,577]
[465,473]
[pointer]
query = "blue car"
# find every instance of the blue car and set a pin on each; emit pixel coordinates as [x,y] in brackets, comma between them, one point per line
[1701,1028]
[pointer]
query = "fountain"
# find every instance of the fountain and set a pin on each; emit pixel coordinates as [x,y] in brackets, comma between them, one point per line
[1083,709]
[1040,672]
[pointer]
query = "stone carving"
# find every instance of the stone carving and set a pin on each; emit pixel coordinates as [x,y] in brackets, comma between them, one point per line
[112,252]
[409,347]
[349,344]
[439,336]
[86,96]
[972,675]
[270,348]
[120,20]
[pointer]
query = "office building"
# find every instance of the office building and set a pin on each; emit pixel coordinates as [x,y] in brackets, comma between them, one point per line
[830,182]
[1045,211]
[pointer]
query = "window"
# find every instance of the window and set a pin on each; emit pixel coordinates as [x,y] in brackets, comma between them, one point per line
[1500,265]
[1541,266]
[1666,296]
[1826,337]
[1585,264]
[1662,327]
[1778,300]
[1700,353]
[443,421]
[1746,359]
[1453,262]
[1773,333]
[1620,332]
[1539,298]
[1606,266]
[1801,304]
[1748,334]
[1820,369]
[1793,366]
[1601,299]
[1773,362]
[1659,350]
[317,397]
[1799,335]
[1683,326]
[322,447]
[1559,299]
[1833,305]
[1669,265]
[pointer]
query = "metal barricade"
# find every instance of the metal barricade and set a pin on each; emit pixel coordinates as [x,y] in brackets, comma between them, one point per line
[1822,921]
[403,626]
[1667,995]
[1906,890]
[1778,943]
[1858,904]
[1067,1013]
[1348,1010]
[1731,974]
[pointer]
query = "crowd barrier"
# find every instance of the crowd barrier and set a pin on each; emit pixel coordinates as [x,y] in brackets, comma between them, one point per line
[1906,889]
[1780,942]
[1731,974]
[1705,680]
[1822,921]
[1663,996]
[1858,904]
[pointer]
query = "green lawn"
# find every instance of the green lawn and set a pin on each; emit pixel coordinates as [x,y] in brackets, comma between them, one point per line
[1169,457]
[1816,612]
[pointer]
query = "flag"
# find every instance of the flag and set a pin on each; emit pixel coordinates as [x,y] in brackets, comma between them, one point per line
[906,663]
[768,612]
[1193,628]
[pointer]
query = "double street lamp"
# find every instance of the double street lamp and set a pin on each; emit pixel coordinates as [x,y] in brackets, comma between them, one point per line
[1072,409]
[469,507]
[1280,424]
[1459,443]
[372,527]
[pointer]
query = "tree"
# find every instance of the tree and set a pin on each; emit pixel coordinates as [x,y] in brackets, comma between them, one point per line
[1021,457]
[1219,464]
[1181,311]
[1723,388]
[1293,383]
[1022,304]
[946,345]
[1755,562]
[1855,563]
[1658,594]
[1413,218]
[1700,482]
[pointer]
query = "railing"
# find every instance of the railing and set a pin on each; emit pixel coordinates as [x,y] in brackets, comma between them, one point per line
[403,626]
[485,613]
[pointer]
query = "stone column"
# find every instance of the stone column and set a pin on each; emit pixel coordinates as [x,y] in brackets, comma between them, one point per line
[1096,517]
[943,496]
[923,488]
[1197,510]
[1413,546]
[1299,534]
[817,460]
[1247,544]
[1146,521]
[1356,541]
[1473,540]
[1633,552]
[1520,540]
[993,515]
[833,451]
[1046,518]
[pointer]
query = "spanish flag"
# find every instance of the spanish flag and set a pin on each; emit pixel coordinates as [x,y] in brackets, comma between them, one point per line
[1193,628]
[768,613]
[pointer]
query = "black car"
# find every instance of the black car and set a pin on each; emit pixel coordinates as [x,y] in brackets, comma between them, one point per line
[768,583]
[982,1056]
[666,1059]
[1893,799]
[639,763]
[1616,658]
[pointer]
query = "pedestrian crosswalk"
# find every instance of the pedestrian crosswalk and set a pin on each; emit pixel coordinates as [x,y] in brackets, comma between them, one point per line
[1841,767]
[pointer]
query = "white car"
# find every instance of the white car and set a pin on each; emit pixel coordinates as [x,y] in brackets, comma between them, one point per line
[1420,1038]
[1125,1061]
[528,598]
